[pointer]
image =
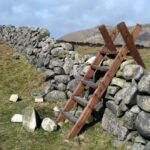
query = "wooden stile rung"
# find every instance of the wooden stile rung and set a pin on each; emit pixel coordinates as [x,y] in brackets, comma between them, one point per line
[108,49]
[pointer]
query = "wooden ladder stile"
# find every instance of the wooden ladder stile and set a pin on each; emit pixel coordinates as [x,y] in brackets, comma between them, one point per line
[109,74]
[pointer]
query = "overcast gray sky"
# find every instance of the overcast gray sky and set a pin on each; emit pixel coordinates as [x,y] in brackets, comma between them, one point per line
[64,16]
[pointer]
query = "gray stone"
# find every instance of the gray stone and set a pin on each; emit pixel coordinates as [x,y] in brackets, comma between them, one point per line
[48,74]
[144,84]
[55,95]
[48,87]
[127,94]
[108,62]
[56,50]
[140,139]
[68,65]
[61,87]
[131,136]
[67,46]
[147,146]
[143,102]
[58,70]
[72,84]
[132,71]
[69,93]
[129,120]
[118,82]
[111,124]
[114,108]
[127,62]
[49,125]
[83,69]
[39,99]
[117,143]
[17,118]
[56,62]
[62,78]
[135,109]
[123,106]
[30,119]
[64,54]
[112,89]
[143,124]
[56,111]
[79,59]
[137,146]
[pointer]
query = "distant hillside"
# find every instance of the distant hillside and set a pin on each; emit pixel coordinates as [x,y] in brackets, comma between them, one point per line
[93,36]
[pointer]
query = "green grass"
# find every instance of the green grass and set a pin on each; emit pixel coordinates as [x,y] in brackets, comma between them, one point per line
[17,76]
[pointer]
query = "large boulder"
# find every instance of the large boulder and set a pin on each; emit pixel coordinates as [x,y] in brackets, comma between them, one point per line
[143,124]
[111,124]
[143,102]
[30,119]
[56,95]
[144,84]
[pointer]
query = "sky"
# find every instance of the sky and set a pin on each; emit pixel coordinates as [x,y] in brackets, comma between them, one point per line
[64,16]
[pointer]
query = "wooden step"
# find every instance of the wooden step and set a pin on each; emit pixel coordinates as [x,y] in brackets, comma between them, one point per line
[69,116]
[100,68]
[89,84]
[108,52]
[80,100]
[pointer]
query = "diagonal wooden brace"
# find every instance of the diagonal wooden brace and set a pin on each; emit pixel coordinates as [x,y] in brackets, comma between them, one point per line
[128,39]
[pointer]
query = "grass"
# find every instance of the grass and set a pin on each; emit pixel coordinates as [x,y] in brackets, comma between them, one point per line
[17,76]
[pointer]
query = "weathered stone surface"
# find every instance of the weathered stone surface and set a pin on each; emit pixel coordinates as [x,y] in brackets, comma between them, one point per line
[55,95]
[17,118]
[111,124]
[30,119]
[56,111]
[123,106]
[68,65]
[72,84]
[114,108]
[140,139]
[79,59]
[55,62]
[126,94]
[127,62]
[14,98]
[112,89]
[48,87]
[62,78]
[39,99]
[90,60]
[83,69]
[132,71]
[61,87]
[49,125]
[135,109]
[143,124]
[108,62]
[118,82]
[58,70]
[117,143]
[56,50]
[137,146]
[48,74]
[143,102]
[144,84]
[147,146]
[131,136]
[129,120]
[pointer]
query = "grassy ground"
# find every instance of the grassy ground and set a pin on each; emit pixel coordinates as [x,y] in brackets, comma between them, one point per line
[17,76]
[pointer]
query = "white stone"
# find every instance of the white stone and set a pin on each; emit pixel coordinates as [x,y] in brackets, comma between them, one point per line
[14,98]
[16,118]
[56,111]
[49,125]
[39,99]
[90,60]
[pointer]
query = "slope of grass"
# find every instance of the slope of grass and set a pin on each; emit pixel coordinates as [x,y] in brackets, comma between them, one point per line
[17,76]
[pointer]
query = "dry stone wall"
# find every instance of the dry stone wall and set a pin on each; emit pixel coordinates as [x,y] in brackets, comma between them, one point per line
[62,67]
[126,103]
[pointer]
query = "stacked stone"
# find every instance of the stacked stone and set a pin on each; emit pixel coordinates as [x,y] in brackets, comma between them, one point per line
[127,113]
[62,67]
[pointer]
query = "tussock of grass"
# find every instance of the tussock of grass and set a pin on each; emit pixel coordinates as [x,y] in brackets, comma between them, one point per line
[17,76]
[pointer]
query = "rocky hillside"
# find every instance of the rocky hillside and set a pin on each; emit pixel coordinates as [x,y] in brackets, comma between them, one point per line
[93,36]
